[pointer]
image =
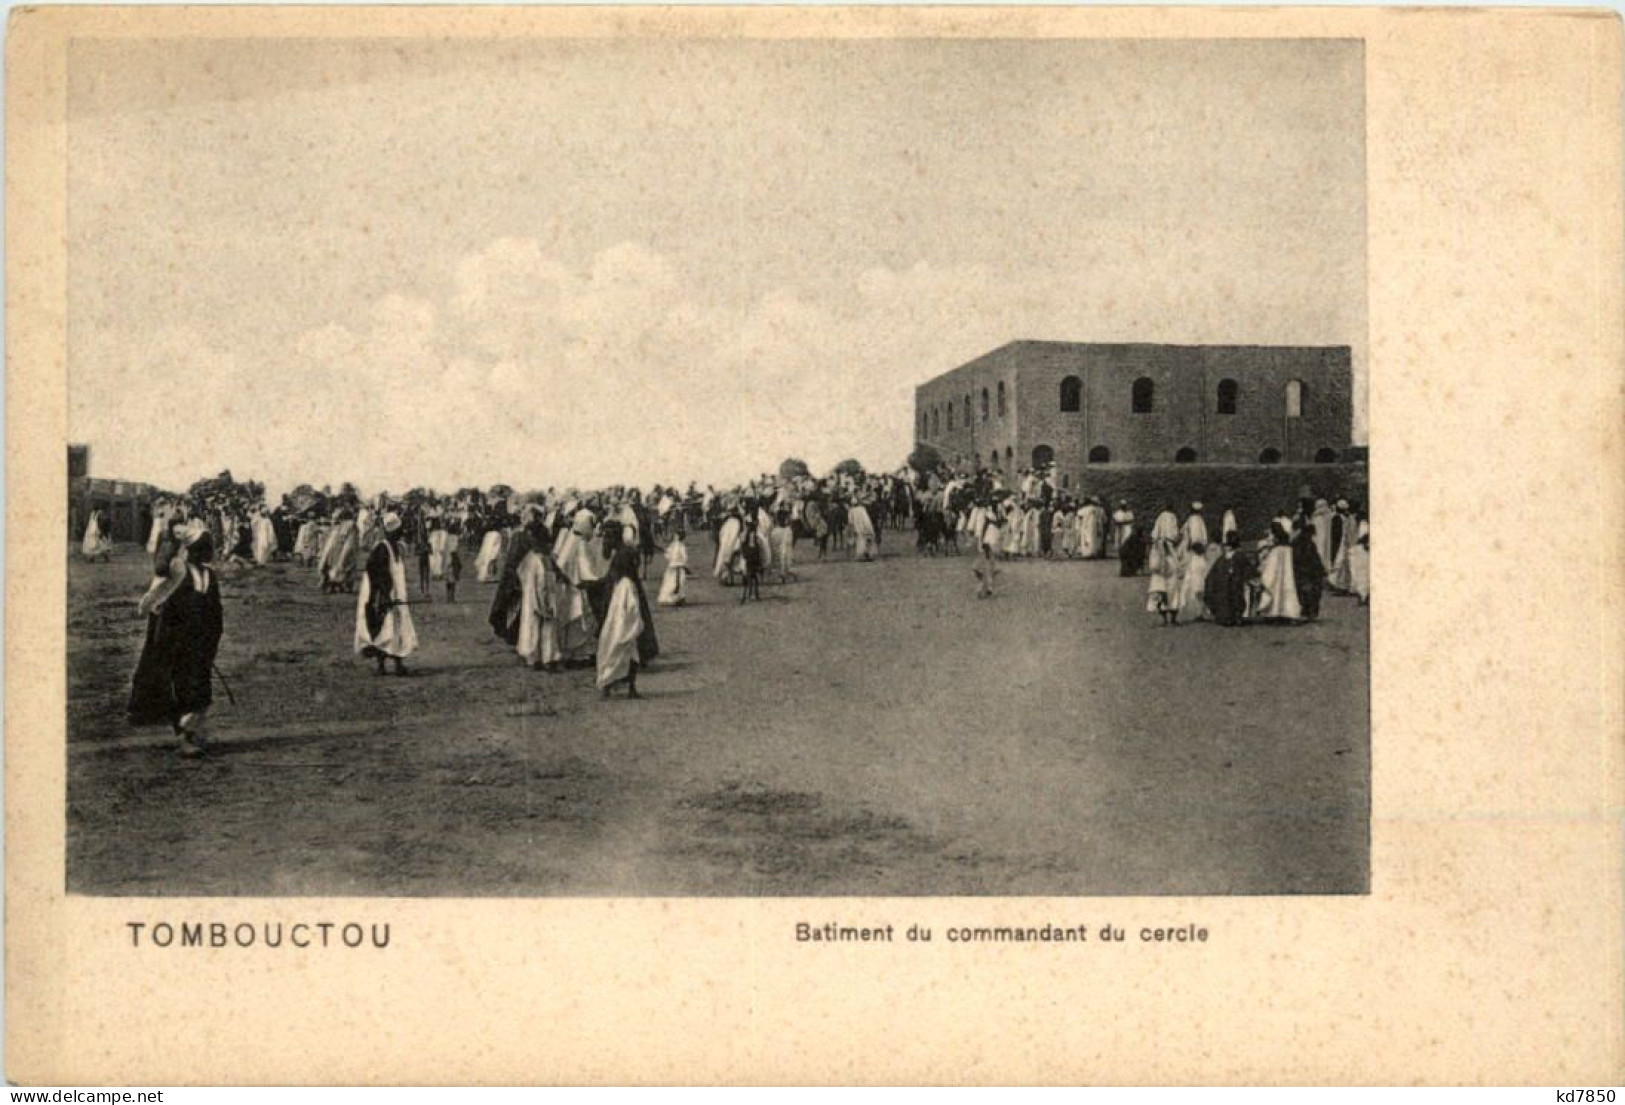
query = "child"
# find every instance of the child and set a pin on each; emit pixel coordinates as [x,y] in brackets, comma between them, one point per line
[454,570]
[1162,588]
[750,556]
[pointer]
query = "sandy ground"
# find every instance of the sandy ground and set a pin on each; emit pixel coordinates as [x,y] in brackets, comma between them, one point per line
[869,729]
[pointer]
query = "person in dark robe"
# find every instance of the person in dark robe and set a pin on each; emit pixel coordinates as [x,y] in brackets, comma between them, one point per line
[1131,552]
[283,528]
[505,604]
[1307,570]
[173,680]
[1226,588]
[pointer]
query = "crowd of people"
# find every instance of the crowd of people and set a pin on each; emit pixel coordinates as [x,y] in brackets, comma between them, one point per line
[569,567]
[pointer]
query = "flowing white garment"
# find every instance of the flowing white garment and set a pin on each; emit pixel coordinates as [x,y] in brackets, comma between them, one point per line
[489,560]
[1015,525]
[1162,588]
[396,636]
[1322,520]
[1360,564]
[1091,532]
[727,545]
[618,641]
[94,543]
[580,562]
[1194,531]
[863,533]
[439,543]
[1280,597]
[304,545]
[1166,527]
[1191,604]
[264,540]
[1228,525]
[538,629]
[671,586]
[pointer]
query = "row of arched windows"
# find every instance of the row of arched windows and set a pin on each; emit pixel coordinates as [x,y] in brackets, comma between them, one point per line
[1143,396]
[1100,454]
[1142,399]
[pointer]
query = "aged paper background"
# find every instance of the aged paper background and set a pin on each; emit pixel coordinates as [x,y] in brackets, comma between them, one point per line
[1490,947]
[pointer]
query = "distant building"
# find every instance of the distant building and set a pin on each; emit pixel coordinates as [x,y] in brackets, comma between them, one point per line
[126,505]
[1083,405]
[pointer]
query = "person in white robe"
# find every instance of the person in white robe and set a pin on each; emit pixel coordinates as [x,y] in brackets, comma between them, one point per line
[623,625]
[1360,563]
[580,564]
[1015,524]
[782,540]
[989,544]
[1343,533]
[863,532]
[1193,531]
[439,542]
[160,526]
[1031,541]
[1278,595]
[1162,588]
[98,544]
[383,614]
[1322,521]
[338,560]
[1089,524]
[1228,525]
[538,643]
[488,562]
[264,538]
[1191,604]
[672,583]
[727,546]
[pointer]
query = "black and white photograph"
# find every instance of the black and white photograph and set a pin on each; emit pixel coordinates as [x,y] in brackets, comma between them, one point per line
[630,467]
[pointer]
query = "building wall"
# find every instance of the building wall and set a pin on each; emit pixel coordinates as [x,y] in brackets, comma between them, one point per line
[1184,414]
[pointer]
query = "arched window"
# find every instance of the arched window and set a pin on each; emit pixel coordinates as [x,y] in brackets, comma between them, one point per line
[1100,455]
[1071,395]
[1294,398]
[1042,455]
[1001,398]
[1227,397]
[1145,395]
[936,421]
[967,412]
[1187,455]
[1066,481]
[950,418]
[1326,456]
[984,405]
[1270,456]
[1009,455]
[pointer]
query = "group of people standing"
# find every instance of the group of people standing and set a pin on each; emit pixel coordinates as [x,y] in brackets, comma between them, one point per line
[1308,551]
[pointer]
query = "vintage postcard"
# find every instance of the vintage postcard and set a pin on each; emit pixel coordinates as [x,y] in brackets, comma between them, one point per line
[533,531]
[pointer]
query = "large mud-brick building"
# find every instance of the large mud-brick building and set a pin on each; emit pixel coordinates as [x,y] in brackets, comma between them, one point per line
[1084,405]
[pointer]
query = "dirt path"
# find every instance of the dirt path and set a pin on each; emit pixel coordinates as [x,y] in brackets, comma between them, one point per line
[871,729]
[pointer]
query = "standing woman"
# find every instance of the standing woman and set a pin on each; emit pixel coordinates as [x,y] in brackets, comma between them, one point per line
[383,618]
[173,680]
[671,587]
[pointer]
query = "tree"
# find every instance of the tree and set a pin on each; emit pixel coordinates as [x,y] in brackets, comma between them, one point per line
[924,458]
[500,491]
[849,467]
[793,468]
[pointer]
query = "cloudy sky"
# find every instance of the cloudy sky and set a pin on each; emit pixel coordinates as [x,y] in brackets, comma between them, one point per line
[589,261]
